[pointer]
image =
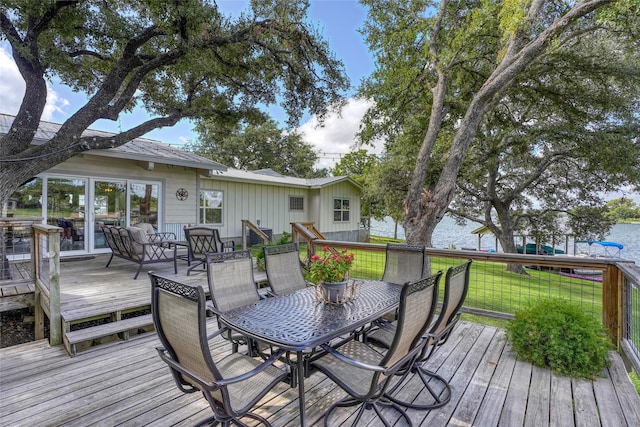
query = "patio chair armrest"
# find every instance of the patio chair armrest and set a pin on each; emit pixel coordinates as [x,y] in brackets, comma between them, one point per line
[350,361]
[270,293]
[261,367]
[376,325]
[212,309]
[161,236]
[157,250]
[166,357]
[446,331]
[383,324]
[228,246]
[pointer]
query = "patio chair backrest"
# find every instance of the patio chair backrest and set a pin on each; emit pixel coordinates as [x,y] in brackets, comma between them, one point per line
[403,263]
[416,310]
[284,273]
[179,316]
[456,286]
[231,281]
[202,240]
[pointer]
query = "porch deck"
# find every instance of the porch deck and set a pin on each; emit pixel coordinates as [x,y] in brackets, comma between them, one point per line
[125,383]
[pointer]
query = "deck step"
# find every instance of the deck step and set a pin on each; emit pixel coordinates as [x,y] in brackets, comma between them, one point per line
[93,333]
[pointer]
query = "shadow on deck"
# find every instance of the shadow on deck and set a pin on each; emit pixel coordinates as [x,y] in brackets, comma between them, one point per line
[126,384]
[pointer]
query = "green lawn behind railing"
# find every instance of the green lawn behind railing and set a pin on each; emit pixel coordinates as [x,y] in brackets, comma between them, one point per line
[493,288]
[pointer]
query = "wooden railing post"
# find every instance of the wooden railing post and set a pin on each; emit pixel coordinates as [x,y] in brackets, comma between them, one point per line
[46,257]
[244,234]
[246,223]
[611,302]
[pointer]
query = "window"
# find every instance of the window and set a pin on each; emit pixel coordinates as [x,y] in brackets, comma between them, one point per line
[296,203]
[211,207]
[341,210]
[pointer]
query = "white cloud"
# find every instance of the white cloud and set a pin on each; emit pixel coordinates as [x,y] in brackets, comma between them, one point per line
[12,88]
[337,136]
[11,84]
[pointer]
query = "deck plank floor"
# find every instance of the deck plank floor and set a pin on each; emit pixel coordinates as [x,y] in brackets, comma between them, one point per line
[125,383]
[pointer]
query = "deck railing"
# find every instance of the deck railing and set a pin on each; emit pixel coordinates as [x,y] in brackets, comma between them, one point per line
[46,257]
[495,291]
[630,340]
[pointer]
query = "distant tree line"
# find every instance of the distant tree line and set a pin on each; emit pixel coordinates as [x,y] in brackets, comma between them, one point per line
[623,209]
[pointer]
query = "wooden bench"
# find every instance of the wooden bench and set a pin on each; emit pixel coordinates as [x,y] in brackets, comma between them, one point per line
[136,245]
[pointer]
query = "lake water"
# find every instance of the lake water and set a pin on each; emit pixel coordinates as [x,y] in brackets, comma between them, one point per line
[448,233]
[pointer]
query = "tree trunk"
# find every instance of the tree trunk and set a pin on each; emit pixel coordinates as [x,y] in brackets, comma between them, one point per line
[505,235]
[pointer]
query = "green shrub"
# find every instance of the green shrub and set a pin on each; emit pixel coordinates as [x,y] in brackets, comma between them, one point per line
[260,254]
[560,335]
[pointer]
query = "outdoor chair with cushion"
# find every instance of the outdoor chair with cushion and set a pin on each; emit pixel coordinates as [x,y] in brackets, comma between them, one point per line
[133,244]
[232,384]
[152,234]
[456,285]
[284,272]
[231,285]
[364,372]
[203,240]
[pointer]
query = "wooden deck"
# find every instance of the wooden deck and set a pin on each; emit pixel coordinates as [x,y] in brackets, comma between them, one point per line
[17,293]
[91,293]
[125,383]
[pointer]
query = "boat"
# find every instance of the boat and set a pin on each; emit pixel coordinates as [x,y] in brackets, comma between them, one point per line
[593,248]
[598,248]
[532,249]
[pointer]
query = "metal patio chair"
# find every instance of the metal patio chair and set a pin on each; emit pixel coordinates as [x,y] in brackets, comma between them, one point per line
[233,384]
[231,285]
[363,372]
[403,263]
[203,240]
[456,286]
[284,273]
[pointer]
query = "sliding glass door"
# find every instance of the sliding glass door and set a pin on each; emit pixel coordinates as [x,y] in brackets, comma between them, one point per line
[82,206]
[66,198]
[144,202]
[109,208]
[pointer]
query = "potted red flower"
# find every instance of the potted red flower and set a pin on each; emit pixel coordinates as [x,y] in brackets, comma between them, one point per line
[331,271]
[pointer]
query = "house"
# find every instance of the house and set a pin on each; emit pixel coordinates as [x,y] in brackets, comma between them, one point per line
[149,181]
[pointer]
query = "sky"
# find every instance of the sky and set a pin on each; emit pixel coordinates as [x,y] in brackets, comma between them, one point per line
[338,20]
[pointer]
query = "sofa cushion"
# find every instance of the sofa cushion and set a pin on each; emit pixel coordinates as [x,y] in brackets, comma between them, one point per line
[148,228]
[138,234]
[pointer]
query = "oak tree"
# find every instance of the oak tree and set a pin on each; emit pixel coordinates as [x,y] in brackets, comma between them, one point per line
[441,66]
[183,59]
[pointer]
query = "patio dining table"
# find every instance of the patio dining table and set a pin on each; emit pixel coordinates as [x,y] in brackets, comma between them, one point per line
[298,322]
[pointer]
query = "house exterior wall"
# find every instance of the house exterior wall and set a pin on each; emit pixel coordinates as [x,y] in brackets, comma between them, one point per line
[174,213]
[333,230]
[269,205]
[254,201]
[263,205]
